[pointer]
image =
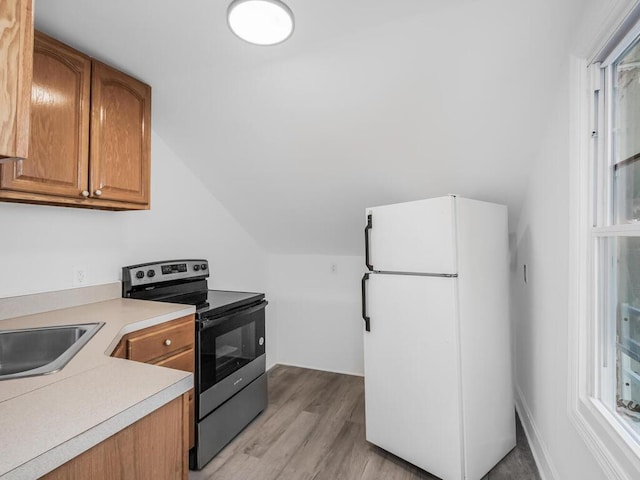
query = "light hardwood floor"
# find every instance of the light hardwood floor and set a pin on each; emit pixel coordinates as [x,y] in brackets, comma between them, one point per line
[313,429]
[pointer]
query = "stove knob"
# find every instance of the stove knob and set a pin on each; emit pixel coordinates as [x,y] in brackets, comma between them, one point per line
[203,266]
[196,267]
[139,274]
[151,273]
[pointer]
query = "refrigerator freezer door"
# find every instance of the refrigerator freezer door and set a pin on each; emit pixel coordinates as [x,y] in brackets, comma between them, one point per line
[415,237]
[412,397]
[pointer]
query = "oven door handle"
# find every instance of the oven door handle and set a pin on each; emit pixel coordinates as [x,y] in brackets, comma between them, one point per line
[204,325]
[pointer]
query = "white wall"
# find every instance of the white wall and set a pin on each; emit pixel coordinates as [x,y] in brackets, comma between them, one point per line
[316,311]
[540,307]
[388,101]
[39,245]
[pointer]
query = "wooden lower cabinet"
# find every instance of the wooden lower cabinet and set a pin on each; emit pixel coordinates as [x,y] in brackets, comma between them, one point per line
[153,448]
[171,345]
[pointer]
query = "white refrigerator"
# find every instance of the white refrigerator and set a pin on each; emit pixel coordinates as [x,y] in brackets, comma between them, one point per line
[437,349]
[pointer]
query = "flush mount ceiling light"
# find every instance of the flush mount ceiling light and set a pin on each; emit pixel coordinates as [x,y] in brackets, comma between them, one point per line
[261,22]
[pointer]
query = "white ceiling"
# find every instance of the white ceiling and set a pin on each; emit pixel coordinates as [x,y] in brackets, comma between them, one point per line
[369,102]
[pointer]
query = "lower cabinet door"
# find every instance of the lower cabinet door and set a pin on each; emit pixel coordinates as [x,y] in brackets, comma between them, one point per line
[150,449]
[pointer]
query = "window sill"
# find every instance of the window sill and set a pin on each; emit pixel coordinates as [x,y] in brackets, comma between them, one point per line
[614,447]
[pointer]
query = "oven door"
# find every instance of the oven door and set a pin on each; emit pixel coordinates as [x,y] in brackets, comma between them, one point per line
[230,355]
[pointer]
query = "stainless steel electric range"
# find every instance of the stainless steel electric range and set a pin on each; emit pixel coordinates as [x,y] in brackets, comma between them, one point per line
[230,380]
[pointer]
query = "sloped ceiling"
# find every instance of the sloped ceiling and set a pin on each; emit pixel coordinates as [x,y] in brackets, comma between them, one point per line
[369,102]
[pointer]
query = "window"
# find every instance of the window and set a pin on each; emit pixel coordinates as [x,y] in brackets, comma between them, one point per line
[604,386]
[616,233]
[627,390]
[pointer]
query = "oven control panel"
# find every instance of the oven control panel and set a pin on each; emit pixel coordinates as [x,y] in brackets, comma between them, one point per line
[157,272]
[174,268]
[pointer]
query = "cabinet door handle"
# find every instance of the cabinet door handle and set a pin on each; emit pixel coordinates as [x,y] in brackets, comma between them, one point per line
[167,342]
[97,193]
[85,193]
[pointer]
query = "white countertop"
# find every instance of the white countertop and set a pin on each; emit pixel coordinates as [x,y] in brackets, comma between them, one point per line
[47,420]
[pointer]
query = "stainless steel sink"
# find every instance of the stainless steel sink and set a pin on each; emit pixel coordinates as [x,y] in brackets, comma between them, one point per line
[38,351]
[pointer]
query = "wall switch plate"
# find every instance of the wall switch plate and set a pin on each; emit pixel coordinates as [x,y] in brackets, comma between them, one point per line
[79,275]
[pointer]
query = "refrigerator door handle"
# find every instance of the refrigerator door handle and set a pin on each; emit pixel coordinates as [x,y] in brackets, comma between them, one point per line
[367,320]
[366,242]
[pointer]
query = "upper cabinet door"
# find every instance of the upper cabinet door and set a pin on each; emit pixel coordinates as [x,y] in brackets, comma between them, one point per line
[59,135]
[120,136]
[16,51]
[413,237]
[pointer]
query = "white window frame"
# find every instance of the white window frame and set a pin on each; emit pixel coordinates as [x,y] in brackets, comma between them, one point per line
[613,445]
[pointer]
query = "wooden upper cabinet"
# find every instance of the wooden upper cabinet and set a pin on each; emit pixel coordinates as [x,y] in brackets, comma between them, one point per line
[16,52]
[120,136]
[59,138]
[90,139]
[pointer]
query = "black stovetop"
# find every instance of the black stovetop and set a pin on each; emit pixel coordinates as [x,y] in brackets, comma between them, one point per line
[213,303]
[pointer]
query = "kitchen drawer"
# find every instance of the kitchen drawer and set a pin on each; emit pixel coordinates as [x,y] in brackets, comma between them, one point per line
[180,361]
[160,341]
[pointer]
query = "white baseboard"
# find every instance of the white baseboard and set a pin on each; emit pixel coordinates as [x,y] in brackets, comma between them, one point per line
[309,367]
[271,365]
[536,443]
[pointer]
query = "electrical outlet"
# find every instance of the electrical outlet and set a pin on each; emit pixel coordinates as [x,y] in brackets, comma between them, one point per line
[79,275]
[334,268]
